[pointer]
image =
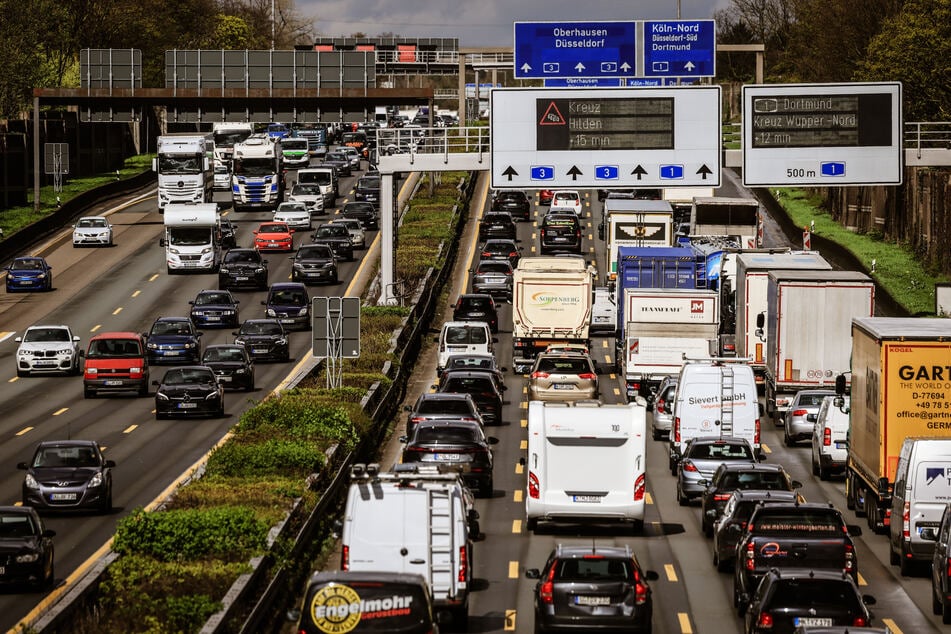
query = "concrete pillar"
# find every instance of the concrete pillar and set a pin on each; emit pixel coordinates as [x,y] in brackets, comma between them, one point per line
[387,241]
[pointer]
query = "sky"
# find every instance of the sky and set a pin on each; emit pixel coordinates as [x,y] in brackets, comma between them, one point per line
[483,23]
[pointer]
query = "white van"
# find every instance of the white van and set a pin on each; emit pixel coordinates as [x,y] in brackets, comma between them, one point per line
[463,337]
[922,489]
[586,462]
[324,176]
[416,519]
[715,397]
[830,437]
[603,311]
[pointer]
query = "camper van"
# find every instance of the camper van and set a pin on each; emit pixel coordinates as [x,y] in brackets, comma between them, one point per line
[922,489]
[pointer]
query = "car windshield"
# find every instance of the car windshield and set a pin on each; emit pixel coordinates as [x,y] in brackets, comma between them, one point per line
[306,189]
[215,297]
[113,348]
[724,451]
[260,328]
[498,247]
[292,206]
[563,366]
[171,328]
[770,480]
[16,526]
[470,363]
[46,334]
[476,303]
[330,231]
[369,183]
[186,376]
[816,592]
[234,354]
[358,208]
[465,334]
[27,264]
[91,222]
[317,252]
[273,228]
[469,385]
[288,298]
[811,400]
[593,569]
[242,256]
[444,406]
[66,457]
[447,435]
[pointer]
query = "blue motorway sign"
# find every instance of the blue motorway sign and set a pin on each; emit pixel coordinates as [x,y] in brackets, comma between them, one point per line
[575,49]
[679,48]
[584,82]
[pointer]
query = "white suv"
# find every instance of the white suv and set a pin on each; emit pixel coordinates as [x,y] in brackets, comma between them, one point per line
[48,349]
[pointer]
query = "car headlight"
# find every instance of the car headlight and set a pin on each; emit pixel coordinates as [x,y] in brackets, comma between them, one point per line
[240,371]
[24,353]
[31,483]
[224,270]
[27,558]
[160,396]
[303,311]
[41,276]
[131,370]
[260,269]
[190,344]
[328,265]
[96,370]
[152,346]
[281,342]
[271,313]
[95,480]
[239,341]
[212,395]
[298,266]
[64,351]
[173,251]
[206,251]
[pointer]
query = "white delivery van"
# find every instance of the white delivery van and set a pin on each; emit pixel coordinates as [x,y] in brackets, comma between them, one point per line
[830,437]
[416,519]
[922,489]
[464,337]
[715,397]
[586,462]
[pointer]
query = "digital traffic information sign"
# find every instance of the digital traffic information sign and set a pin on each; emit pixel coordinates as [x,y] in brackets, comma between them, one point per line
[827,134]
[623,137]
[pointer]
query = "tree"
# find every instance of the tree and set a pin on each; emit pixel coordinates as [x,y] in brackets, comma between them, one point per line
[766,22]
[22,59]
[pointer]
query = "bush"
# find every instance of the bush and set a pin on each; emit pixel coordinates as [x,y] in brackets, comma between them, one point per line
[263,457]
[298,414]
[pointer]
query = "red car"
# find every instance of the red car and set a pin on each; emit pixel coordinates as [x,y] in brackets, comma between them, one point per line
[545,196]
[274,236]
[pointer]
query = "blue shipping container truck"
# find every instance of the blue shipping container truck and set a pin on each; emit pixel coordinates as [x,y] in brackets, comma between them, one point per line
[658,267]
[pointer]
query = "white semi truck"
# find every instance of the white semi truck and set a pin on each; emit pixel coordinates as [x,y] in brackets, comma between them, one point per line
[227,134]
[192,238]
[185,166]
[257,175]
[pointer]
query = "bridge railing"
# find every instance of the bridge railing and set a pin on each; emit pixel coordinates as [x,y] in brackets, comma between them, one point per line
[443,57]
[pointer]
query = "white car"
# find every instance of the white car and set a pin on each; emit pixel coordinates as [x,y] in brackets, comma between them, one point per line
[48,349]
[222,176]
[92,231]
[357,236]
[566,200]
[295,214]
[310,195]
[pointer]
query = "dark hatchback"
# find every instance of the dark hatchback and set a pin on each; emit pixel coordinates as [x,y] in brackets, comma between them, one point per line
[560,233]
[173,340]
[728,530]
[339,160]
[212,308]
[368,189]
[289,303]
[434,406]
[337,237]
[454,443]
[498,249]
[232,365]
[192,390]
[242,268]
[477,307]
[315,263]
[730,477]
[26,549]
[365,212]
[497,224]
[483,388]
[592,588]
[68,475]
[264,339]
[228,233]
[513,201]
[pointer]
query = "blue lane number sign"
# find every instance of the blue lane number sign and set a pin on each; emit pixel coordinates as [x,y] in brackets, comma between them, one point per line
[543,172]
[606,172]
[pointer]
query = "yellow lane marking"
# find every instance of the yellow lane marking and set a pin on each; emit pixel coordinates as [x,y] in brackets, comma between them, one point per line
[136,294]
[892,626]
[516,526]
[513,570]
[60,411]
[648,498]
[519,469]
[607,357]
[95,328]
[684,623]
[604,343]
[117,311]
[670,572]
[765,448]
[523,405]
[524,422]
[862,581]
[523,444]
[13,380]
[524,389]
[6,334]
[129,429]
[24,430]
[154,277]
[510,620]
[617,391]
[517,496]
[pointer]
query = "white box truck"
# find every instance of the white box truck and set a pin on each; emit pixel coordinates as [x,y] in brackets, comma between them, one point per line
[565,443]
[737,218]
[752,276]
[634,222]
[551,303]
[185,166]
[192,238]
[417,520]
[663,326]
[809,319]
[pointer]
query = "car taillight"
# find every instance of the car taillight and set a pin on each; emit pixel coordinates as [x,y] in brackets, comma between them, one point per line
[729,347]
[756,434]
[799,412]
[345,558]
[750,556]
[826,437]
[513,254]
[587,376]
[849,557]
[677,429]
[641,591]
[639,488]
[659,406]
[486,254]
[859,621]
[540,375]
[906,521]
[765,620]
[547,588]
[463,565]
[689,466]
[533,488]
[948,566]
[721,497]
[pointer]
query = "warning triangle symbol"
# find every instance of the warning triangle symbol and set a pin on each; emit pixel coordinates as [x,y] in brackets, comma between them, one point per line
[552,116]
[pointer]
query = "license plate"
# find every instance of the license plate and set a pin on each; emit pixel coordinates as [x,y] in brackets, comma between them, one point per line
[210,318]
[813,621]
[272,244]
[841,445]
[586,498]
[224,378]
[112,383]
[287,321]
[259,350]
[187,405]
[583,600]
[62,497]
[242,278]
[172,353]
[560,240]
[447,456]
[563,386]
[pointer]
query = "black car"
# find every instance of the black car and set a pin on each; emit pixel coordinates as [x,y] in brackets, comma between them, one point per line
[68,475]
[513,201]
[367,189]
[434,405]
[232,365]
[365,212]
[560,233]
[732,523]
[793,597]
[338,237]
[459,443]
[242,268]
[26,548]
[497,224]
[289,303]
[479,384]
[214,308]
[264,339]
[315,263]
[498,249]
[730,477]
[339,160]
[228,234]
[592,588]
[477,307]
[173,340]
[192,390]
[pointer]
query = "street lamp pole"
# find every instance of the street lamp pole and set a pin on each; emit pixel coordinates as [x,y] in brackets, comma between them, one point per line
[272,22]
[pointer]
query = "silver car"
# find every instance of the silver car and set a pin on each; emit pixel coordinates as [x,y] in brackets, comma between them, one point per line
[801,416]
[357,235]
[702,456]
[353,154]
[310,195]
[92,231]
[494,277]
[662,419]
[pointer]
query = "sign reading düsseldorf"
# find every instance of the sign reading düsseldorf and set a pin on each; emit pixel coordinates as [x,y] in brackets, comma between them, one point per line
[822,134]
[575,49]
[680,48]
[623,137]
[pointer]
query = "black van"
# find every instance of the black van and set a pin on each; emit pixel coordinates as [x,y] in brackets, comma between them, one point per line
[386,602]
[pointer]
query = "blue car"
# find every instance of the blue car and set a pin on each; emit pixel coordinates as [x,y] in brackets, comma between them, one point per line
[31,273]
[215,309]
[174,340]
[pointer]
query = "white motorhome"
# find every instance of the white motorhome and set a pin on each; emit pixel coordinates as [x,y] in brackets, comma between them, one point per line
[715,397]
[226,135]
[184,163]
[413,520]
[257,173]
[586,462]
[634,222]
[192,237]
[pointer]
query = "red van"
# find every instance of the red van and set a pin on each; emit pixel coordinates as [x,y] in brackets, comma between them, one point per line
[116,362]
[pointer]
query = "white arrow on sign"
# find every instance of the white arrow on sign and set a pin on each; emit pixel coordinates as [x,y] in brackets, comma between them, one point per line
[625,67]
[689,66]
[526,67]
[580,67]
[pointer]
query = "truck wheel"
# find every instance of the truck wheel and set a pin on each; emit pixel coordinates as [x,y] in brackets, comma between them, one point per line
[946,614]
[823,472]
[906,567]
[531,524]
[893,557]
[637,527]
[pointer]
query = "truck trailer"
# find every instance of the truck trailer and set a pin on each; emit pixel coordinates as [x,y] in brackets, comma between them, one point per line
[720,216]
[185,166]
[634,222]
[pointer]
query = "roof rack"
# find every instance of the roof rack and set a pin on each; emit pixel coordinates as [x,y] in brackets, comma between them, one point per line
[406,472]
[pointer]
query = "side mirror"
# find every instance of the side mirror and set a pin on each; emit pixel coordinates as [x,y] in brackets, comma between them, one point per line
[522,461]
[762,410]
[840,387]
[492,440]
[75,338]
[533,573]
[868,599]
[109,464]
[760,320]
[854,530]
[403,439]
[22,465]
[161,242]
[796,484]
[495,339]
[155,383]
[651,575]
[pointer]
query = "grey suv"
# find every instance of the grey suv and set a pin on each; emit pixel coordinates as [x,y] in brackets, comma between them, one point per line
[801,416]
